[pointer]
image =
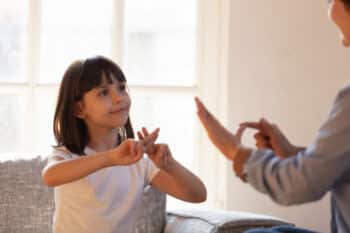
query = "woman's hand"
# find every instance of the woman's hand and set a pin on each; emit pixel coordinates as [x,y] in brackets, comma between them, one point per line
[223,139]
[269,136]
[160,154]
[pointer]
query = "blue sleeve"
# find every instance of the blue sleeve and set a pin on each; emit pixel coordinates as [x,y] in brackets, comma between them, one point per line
[309,175]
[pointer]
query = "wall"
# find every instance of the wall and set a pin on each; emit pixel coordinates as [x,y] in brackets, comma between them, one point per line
[286,64]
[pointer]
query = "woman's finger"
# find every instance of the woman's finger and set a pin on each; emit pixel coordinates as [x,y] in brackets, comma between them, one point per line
[200,105]
[204,115]
[240,132]
[251,124]
[266,126]
[260,135]
[263,144]
[262,141]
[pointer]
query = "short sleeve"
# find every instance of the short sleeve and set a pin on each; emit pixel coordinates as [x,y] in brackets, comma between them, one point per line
[61,152]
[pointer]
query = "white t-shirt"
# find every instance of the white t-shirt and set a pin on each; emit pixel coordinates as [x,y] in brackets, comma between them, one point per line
[105,201]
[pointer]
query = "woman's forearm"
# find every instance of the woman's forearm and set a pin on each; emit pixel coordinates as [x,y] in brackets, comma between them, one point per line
[66,171]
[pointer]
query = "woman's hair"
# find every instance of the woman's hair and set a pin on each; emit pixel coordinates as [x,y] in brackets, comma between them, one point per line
[80,77]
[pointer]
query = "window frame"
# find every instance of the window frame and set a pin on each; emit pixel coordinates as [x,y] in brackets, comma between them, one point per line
[211,86]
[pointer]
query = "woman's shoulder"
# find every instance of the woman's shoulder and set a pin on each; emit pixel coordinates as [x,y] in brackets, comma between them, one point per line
[344,92]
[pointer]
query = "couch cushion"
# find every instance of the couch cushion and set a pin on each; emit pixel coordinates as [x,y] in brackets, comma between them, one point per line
[153,214]
[217,221]
[26,205]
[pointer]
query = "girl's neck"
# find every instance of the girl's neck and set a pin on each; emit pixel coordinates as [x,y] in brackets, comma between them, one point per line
[102,139]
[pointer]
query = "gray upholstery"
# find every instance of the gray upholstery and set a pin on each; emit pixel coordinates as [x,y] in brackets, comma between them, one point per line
[26,206]
[153,212]
[217,221]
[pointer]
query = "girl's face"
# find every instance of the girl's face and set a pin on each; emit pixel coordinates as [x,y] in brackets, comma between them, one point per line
[105,106]
[340,15]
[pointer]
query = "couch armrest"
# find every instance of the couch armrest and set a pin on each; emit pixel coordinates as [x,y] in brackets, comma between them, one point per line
[217,221]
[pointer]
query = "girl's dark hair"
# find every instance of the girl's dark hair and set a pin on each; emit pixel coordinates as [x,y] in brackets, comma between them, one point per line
[80,77]
[346,3]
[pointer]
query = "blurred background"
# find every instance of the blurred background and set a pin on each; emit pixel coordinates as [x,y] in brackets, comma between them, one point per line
[279,59]
[155,42]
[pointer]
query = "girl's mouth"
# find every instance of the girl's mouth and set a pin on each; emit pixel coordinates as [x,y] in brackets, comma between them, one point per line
[120,110]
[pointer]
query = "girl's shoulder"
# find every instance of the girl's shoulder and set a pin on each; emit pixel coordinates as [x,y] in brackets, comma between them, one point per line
[61,151]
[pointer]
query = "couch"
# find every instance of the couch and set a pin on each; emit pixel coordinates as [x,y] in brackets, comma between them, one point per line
[27,205]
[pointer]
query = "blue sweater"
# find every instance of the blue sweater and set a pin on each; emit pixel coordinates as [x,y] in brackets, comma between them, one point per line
[323,166]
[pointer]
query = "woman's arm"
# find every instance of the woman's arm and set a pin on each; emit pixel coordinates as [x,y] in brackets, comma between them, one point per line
[302,178]
[269,136]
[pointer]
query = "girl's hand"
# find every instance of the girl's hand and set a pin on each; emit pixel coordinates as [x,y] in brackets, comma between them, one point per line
[128,152]
[160,154]
[269,136]
[148,140]
[227,142]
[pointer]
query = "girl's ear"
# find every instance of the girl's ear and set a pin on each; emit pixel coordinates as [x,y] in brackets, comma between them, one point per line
[78,110]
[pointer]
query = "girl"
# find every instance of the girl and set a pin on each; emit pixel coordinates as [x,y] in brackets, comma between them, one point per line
[291,174]
[97,168]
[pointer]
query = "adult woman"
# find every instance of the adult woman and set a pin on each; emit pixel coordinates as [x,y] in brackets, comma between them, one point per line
[308,173]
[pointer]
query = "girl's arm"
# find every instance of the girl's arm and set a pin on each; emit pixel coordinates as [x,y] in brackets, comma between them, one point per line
[179,182]
[172,178]
[61,171]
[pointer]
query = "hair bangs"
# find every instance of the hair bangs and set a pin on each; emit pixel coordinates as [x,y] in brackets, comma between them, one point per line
[91,74]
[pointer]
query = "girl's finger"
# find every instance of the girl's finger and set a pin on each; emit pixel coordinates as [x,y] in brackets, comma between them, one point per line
[140,136]
[149,139]
[132,149]
[145,132]
[140,149]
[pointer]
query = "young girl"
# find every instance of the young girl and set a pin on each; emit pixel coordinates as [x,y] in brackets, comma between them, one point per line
[97,168]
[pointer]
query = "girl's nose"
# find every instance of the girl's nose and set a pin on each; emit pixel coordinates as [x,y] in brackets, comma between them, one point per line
[116,96]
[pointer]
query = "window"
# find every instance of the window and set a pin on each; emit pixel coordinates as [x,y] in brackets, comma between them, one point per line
[169,50]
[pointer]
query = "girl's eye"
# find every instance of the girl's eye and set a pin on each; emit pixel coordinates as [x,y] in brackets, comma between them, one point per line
[122,87]
[103,92]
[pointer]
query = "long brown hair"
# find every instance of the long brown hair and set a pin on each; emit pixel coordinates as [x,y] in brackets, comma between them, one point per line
[80,77]
[346,3]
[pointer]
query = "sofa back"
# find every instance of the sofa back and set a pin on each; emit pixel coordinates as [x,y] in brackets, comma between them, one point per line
[27,205]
